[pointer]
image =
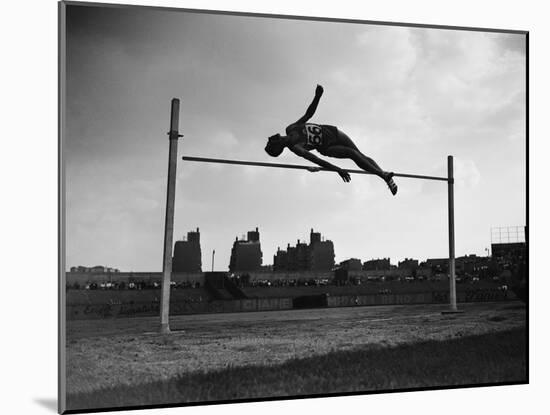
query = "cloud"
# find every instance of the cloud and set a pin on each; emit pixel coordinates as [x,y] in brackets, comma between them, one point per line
[220,142]
[387,56]
[466,173]
[464,79]
[514,43]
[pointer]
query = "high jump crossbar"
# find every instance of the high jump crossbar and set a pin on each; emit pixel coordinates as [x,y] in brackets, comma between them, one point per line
[301,167]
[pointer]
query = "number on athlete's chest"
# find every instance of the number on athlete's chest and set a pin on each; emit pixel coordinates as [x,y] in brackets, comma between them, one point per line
[314,134]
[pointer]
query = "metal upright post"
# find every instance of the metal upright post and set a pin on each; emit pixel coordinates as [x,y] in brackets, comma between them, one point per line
[169,221]
[450,184]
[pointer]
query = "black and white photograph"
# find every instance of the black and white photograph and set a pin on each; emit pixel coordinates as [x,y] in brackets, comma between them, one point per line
[260,206]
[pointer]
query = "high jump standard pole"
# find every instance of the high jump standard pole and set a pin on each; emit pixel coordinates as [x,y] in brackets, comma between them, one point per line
[169,219]
[451,205]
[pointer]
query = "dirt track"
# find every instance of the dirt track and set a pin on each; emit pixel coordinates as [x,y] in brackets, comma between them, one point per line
[103,353]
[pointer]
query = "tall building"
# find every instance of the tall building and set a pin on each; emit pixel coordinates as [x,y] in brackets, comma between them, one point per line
[408,264]
[314,237]
[321,253]
[246,254]
[253,236]
[280,259]
[377,264]
[298,257]
[437,265]
[318,255]
[352,264]
[187,254]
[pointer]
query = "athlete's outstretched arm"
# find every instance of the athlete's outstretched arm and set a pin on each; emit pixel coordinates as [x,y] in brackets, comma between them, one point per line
[302,152]
[313,106]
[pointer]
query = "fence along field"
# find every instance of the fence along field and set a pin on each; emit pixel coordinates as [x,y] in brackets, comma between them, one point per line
[89,304]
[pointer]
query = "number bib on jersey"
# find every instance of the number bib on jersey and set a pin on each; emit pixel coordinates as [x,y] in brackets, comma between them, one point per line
[314,135]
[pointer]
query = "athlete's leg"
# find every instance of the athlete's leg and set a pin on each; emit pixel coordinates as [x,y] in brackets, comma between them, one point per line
[364,162]
[346,148]
[344,140]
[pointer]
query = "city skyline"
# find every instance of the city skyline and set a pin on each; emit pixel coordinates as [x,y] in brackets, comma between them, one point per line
[407,96]
[206,266]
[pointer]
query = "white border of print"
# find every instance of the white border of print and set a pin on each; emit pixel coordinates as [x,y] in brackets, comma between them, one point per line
[29,208]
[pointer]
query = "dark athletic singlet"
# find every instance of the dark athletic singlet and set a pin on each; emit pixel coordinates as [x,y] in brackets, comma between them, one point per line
[317,137]
[313,134]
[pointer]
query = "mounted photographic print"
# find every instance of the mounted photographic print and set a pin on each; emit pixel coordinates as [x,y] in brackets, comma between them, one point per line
[260,207]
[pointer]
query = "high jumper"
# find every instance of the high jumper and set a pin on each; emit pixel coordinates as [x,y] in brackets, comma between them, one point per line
[302,137]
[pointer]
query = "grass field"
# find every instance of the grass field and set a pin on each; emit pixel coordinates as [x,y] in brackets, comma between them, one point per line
[124,354]
[482,359]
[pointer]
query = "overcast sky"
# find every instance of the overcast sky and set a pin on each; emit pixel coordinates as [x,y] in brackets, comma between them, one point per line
[408,97]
